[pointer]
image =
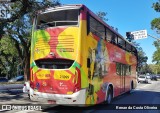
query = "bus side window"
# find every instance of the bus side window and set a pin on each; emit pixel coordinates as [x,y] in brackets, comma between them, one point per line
[118,68]
[96,27]
[102,31]
[134,50]
[114,39]
[109,35]
[128,67]
[121,43]
[128,47]
[88,23]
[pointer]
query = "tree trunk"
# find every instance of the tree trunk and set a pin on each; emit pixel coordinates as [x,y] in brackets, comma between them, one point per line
[27,67]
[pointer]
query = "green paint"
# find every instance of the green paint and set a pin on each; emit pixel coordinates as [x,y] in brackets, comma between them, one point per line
[35,69]
[76,65]
[84,79]
[41,34]
[32,64]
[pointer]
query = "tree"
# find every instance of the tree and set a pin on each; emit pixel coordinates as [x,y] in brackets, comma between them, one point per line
[155,68]
[142,58]
[8,58]
[102,15]
[156,54]
[18,27]
[146,69]
[155,25]
[156,6]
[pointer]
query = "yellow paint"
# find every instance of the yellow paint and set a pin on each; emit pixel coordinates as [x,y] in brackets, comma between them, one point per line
[69,93]
[43,74]
[95,98]
[88,101]
[41,52]
[32,78]
[62,75]
[35,68]
[128,58]
[68,39]
[97,83]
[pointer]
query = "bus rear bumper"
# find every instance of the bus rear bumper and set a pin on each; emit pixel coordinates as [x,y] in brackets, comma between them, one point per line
[75,99]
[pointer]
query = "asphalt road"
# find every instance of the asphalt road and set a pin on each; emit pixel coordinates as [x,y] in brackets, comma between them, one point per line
[144,95]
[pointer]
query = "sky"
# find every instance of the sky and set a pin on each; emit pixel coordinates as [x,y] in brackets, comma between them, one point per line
[126,15]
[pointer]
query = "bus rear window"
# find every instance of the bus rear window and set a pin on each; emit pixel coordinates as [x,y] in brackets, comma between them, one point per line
[58,18]
[54,63]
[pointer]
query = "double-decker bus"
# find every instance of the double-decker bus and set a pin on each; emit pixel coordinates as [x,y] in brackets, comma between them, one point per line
[78,59]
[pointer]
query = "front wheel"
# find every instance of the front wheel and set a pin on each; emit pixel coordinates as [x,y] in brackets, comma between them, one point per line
[109,96]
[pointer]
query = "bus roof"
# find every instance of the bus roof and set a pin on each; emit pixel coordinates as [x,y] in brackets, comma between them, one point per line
[61,7]
[76,6]
[108,26]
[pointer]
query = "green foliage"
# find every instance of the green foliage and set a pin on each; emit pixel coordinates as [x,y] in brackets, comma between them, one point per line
[102,15]
[155,68]
[156,6]
[156,55]
[146,69]
[8,57]
[142,58]
[17,29]
[155,25]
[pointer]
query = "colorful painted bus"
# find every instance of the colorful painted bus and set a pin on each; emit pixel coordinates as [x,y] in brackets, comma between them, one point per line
[77,59]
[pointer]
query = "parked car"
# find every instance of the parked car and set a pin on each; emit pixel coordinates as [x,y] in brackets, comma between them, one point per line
[17,78]
[153,77]
[158,76]
[144,79]
[3,79]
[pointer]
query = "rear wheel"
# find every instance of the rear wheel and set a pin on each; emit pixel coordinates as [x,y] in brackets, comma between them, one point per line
[131,87]
[109,96]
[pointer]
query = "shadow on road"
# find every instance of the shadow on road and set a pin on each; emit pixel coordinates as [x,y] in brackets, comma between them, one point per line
[7,95]
[136,98]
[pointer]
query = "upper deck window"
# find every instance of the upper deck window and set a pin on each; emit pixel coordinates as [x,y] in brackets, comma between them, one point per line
[58,18]
[97,28]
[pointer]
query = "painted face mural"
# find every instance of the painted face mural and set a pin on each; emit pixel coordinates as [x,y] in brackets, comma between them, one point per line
[101,60]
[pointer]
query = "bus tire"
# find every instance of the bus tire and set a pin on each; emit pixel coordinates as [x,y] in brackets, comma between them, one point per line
[109,96]
[131,87]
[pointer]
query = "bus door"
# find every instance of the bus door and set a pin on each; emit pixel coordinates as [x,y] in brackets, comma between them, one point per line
[122,78]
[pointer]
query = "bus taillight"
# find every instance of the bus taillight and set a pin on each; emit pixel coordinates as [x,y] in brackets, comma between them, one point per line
[31,84]
[77,80]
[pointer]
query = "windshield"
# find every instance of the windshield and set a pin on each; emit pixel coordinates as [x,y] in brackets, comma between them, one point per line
[58,18]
